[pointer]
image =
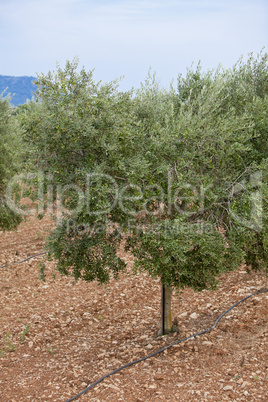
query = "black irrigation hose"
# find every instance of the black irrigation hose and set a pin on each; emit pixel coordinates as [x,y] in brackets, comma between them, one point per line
[20,262]
[165,348]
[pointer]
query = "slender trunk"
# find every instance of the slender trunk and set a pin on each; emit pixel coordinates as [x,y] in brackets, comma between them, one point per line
[166,316]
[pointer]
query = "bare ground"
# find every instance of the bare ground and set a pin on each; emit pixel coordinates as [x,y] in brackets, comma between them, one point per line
[58,336]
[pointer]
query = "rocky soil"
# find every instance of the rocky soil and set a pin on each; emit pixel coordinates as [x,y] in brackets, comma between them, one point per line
[58,336]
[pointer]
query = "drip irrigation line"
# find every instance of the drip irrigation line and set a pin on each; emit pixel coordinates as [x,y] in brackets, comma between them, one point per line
[165,348]
[20,262]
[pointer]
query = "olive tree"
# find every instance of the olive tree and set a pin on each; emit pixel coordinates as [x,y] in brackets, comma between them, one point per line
[9,161]
[180,172]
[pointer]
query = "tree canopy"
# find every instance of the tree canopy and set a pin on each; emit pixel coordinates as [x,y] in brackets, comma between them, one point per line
[181,172]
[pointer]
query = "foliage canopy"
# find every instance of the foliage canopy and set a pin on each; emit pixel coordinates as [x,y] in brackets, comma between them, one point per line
[182,172]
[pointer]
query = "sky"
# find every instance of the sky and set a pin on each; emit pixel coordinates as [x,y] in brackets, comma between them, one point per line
[126,38]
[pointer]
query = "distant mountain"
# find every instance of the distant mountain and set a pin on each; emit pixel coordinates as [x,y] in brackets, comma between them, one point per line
[20,88]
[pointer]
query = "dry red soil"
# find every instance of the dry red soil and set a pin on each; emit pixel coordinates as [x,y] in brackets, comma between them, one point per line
[59,336]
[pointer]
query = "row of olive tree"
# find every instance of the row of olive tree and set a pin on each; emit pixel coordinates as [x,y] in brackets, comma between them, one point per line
[10,148]
[182,173]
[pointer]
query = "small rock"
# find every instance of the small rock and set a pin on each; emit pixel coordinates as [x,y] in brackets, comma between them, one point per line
[30,344]
[84,385]
[193,316]
[208,343]
[114,387]
[232,373]
[144,337]
[228,388]
[149,346]
[183,315]
[245,384]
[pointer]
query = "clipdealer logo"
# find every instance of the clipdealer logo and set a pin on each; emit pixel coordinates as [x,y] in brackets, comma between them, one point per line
[251,193]
[244,198]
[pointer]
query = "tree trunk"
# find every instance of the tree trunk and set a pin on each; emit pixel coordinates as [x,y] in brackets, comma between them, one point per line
[166,316]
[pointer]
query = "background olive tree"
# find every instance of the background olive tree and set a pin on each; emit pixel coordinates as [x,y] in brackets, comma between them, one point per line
[10,148]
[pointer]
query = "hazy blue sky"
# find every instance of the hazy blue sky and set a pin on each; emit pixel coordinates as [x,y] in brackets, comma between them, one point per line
[127,37]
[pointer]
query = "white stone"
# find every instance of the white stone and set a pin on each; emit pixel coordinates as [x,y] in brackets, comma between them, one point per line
[183,315]
[228,388]
[194,316]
